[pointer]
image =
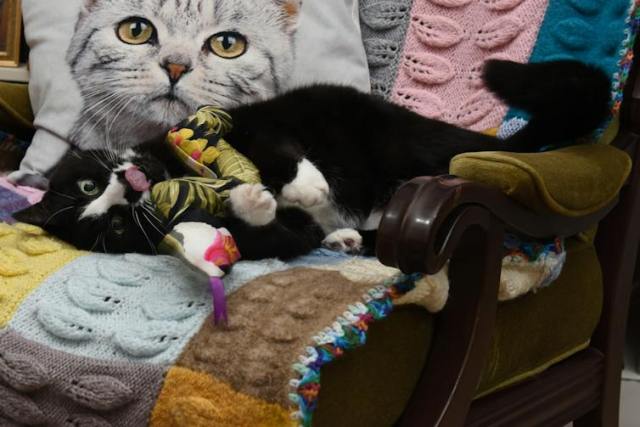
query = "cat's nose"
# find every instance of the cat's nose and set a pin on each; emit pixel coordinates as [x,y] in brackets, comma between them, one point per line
[176,71]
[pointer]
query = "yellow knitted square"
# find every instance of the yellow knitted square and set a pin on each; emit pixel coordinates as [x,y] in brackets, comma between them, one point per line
[27,257]
[195,399]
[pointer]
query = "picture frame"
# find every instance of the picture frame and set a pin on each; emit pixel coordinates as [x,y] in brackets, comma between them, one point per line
[10,33]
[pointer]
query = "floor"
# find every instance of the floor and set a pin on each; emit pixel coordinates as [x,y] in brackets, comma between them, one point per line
[630,404]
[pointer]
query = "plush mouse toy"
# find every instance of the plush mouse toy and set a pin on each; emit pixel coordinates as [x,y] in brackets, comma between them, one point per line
[210,250]
[198,143]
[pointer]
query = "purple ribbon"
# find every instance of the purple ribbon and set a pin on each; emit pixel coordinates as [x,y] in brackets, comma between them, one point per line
[219,300]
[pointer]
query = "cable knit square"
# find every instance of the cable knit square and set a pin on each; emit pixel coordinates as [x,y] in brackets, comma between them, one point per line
[126,308]
[41,386]
[591,31]
[27,257]
[447,42]
[384,25]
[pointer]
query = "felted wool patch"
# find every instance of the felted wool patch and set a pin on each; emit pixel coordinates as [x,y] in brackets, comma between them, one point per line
[271,320]
[42,386]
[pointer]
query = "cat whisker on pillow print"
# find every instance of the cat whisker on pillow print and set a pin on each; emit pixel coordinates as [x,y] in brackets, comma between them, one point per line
[142,66]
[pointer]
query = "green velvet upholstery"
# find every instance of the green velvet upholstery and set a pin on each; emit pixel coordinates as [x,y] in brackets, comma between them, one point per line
[371,386]
[572,181]
[15,108]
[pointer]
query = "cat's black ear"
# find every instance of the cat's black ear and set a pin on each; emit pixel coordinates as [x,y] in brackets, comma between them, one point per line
[35,215]
[38,214]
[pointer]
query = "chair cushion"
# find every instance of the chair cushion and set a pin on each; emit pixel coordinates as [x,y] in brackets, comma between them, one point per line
[572,181]
[372,385]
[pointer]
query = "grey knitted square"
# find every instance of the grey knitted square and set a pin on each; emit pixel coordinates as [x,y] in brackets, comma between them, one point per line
[384,28]
[42,386]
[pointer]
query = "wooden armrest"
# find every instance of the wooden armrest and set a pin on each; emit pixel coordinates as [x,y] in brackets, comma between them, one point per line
[432,220]
[422,225]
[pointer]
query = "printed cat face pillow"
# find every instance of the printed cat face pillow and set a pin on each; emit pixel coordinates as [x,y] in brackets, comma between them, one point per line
[114,73]
[142,66]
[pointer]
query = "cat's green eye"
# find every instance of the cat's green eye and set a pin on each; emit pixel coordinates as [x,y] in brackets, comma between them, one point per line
[89,187]
[136,31]
[228,44]
[117,225]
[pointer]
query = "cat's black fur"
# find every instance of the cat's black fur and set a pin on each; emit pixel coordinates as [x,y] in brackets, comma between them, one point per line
[364,146]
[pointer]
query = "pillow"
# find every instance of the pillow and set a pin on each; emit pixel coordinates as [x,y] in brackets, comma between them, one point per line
[114,73]
[329,46]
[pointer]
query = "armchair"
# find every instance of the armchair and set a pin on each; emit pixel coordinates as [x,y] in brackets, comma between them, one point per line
[433,219]
[450,375]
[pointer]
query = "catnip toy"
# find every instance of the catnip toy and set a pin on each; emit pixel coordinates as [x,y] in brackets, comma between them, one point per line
[210,250]
[198,143]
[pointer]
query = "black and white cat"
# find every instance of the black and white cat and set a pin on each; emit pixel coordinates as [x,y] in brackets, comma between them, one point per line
[330,157]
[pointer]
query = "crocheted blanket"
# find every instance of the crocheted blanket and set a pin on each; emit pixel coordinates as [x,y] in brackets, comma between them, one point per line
[128,340]
[427,55]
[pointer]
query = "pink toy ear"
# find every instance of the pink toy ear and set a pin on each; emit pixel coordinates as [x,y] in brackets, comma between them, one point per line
[223,251]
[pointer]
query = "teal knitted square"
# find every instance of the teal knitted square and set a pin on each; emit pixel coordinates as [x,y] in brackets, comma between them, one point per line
[592,31]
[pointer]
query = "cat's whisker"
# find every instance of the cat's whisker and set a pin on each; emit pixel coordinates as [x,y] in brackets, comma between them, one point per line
[121,107]
[102,101]
[147,208]
[104,243]
[99,160]
[152,224]
[115,106]
[55,214]
[96,242]
[146,236]
[66,196]
[95,117]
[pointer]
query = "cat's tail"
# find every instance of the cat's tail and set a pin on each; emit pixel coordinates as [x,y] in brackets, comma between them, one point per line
[565,99]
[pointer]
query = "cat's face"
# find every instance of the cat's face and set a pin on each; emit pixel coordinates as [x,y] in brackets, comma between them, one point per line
[156,61]
[101,202]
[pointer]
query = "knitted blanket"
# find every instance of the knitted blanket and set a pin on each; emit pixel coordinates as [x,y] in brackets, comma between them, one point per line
[427,55]
[128,340]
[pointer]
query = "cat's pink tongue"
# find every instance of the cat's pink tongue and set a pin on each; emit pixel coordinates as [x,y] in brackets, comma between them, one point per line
[137,179]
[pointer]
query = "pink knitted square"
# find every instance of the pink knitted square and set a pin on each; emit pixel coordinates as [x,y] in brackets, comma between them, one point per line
[447,43]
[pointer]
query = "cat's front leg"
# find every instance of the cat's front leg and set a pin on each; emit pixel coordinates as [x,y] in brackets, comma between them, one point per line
[308,189]
[253,204]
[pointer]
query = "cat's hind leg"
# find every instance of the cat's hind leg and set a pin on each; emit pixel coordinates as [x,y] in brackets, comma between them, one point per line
[351,241]
[293,233]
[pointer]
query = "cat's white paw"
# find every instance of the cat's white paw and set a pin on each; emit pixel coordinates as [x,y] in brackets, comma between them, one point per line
[253,204]
[309,188]
[305,196]
[345,240]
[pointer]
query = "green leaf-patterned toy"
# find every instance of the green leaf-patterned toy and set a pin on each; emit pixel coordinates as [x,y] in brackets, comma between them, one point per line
[199,144]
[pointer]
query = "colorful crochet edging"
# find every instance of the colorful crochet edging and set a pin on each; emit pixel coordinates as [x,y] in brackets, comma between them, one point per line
[347,333]
[620,78]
